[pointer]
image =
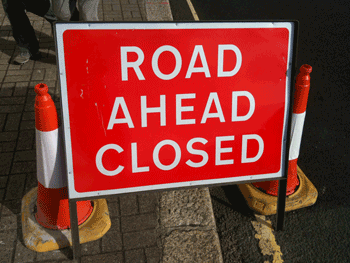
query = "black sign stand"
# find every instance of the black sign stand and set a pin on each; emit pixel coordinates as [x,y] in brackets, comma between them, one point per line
[75,230]
[281,203]
[282,189]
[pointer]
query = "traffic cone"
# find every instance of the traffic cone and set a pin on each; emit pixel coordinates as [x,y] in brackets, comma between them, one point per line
[301,95]
[52,200]
[49,227]
[259,194]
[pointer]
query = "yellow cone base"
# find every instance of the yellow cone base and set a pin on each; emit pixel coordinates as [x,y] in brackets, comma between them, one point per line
[265,204]
[41,239]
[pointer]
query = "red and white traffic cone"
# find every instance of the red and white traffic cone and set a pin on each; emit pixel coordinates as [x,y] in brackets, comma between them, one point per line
[52,199]
[302,88]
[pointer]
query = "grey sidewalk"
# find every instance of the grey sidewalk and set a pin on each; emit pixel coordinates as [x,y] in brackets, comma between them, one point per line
[170,226]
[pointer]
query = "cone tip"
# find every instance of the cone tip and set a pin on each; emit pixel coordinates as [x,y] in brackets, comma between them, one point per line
[306,69]
[41,89]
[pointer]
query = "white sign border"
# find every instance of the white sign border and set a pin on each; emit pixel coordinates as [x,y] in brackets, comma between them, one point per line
[61,27]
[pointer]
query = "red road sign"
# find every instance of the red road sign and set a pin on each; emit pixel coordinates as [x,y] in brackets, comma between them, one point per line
[163,105]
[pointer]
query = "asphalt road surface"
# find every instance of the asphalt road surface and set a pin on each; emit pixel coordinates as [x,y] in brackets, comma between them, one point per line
[320,233]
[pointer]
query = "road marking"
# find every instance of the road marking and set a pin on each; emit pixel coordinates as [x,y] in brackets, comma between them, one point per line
[193,11]
[267,241]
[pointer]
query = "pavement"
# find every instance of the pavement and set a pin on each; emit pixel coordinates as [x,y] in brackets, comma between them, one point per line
[167,226]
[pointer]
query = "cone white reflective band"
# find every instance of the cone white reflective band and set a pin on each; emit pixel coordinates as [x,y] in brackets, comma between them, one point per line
[296,133]
[50,159]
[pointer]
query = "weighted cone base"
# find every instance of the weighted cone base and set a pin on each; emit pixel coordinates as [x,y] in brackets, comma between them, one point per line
[265,204]
[41,239]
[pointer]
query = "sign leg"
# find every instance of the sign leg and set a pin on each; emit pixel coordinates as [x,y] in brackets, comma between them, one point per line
[75,230]
[281,203]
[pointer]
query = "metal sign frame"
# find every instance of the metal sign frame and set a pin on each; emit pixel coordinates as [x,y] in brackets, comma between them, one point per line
[74,197]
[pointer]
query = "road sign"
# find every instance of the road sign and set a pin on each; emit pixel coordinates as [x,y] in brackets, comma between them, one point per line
[165,105]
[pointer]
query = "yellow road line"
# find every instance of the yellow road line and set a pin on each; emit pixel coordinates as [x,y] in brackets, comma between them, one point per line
[267,241]
[193,11]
